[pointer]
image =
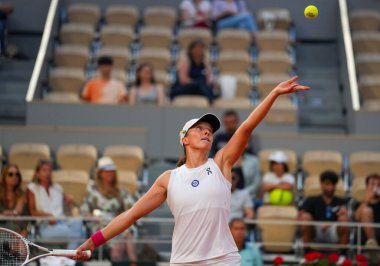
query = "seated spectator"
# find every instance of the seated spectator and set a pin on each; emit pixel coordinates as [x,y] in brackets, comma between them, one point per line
[106,200]
[241,202]
[194,74]
[145,89]
[12,197]
[195,13]
[250,254]
[233,14]
[5,10]
[230,123]
[46,199]
[278,179]
[368,211]
[325,208]
[104,89]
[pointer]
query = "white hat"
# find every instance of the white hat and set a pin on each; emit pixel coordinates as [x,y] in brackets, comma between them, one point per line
[209,118]
[106,164]
[278,157]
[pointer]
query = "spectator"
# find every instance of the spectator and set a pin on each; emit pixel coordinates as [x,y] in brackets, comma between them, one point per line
[104,89]
[106,200]
[231,123]
[195,13]
[325,208]
[5,10]
[233,14]
[145,89]
[250,254]
[194,74]
[12,197]
[241,203]
[278,179]
[47,199]
[368,211]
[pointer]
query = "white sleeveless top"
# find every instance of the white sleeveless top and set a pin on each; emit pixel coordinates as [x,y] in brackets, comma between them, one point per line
[199,199]
[50,203]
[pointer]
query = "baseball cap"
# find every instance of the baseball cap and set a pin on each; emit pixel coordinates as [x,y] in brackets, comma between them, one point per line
[278,157]
[106,164]
[209,118]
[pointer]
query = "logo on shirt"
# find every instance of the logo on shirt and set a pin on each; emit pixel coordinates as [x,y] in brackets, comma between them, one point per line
[195,183]
[208,170]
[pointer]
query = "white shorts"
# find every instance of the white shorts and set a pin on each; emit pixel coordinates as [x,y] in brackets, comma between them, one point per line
[230,259]
[328,236]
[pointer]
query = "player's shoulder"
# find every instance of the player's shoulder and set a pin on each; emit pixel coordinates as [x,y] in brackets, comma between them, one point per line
[163,179]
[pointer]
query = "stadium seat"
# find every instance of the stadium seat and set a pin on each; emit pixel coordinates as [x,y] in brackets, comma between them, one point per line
[274,62]
[116,35]
[234,61]
[69,55]
[27,177]
[162,77]
[27,155]
[274,18]
[236,103]
[84,13]
[282,234]
[119,74]
[364,19]
[77,33]
[244,83]
[190,101]
[77,157]
[283,112]
[156,37]
[234,39]
[187,35]
[158,57]
[368,63]
[272,40]
[128,180]
[126,157]
[366,42]
[268,81]
[124,15]
[358,188]
[312,187]
[317,161]
[62,97]
[73,182]
[264,162]
[160,16]
[369,87]
[66,79]
[119,54]
[372,105]
[364,163]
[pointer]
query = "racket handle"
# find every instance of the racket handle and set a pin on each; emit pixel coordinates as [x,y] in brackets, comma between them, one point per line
[68,253]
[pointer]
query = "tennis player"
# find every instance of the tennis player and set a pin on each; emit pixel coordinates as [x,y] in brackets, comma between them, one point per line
[198,192]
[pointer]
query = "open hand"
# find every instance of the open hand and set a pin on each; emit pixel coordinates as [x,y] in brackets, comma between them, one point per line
[289,86]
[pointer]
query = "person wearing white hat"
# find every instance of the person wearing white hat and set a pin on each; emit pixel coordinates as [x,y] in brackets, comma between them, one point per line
[278,179]
[198,192]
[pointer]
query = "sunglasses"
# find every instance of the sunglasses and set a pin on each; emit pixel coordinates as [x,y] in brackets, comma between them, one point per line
[11,174]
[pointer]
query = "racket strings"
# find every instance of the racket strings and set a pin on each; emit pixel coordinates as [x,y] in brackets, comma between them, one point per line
[13,250]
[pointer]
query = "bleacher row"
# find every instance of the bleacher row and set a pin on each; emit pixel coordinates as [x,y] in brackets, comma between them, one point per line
[365,26]
[156,37]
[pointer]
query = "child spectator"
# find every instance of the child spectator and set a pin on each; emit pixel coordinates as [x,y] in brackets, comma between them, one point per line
[104,89]
[195,13]
[145,89]
[325,208]
[106,200]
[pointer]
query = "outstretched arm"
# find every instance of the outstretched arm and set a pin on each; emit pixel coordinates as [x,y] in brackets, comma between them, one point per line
[155,196]
[230,153]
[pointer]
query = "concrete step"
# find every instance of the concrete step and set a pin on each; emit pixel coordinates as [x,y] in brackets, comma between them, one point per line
[16,65]
[18,87]
[15,75]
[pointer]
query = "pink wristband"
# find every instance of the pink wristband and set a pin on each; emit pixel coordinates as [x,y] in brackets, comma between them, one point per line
[98,238]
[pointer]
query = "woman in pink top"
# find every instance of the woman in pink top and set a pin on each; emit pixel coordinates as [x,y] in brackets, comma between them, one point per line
[198,191]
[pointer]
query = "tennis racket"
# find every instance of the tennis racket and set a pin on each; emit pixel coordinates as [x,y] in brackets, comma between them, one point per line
[15,249]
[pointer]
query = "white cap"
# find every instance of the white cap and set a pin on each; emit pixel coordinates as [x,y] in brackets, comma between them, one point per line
[278,157]
[106,164]
[209,118]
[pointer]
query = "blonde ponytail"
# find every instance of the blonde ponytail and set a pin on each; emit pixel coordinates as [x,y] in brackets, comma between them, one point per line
[182,159]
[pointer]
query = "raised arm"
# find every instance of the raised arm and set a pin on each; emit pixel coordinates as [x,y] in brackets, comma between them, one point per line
[230,153]
[155,196]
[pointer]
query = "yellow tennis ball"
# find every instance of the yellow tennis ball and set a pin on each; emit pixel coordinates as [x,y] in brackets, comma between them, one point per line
[280,197]
[311,12]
